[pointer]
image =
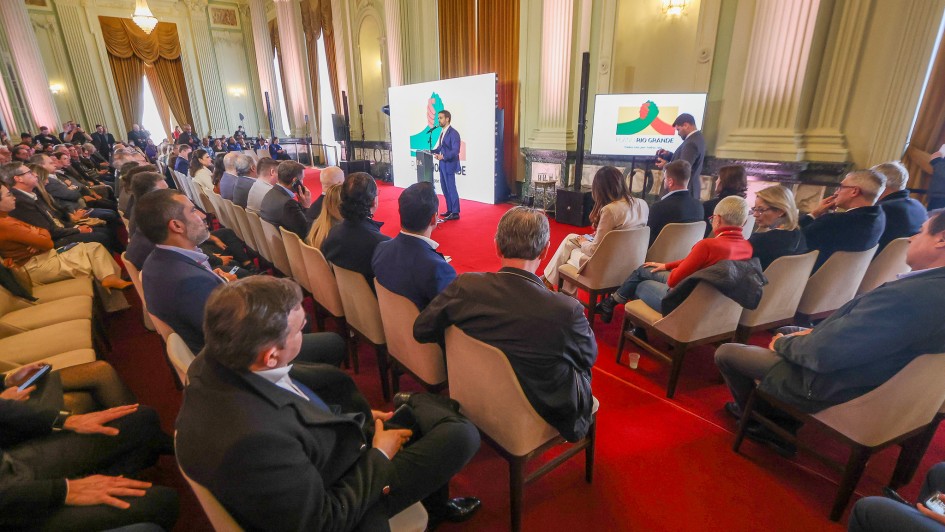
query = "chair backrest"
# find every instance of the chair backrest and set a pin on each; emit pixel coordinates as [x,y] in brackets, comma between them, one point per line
[322,280]
[280,259]
[704,314]
[907,401]
[234,211]
[204,196]
[619,253]
[890,262]
[162,328]
[675,241]
[220,519]
[135,276]
[246,233]
[787,277]
[398,313]
[259,236]
[835,282]
[180,356]
[291,241]
[361,309]
[219,210]
[230,207]
[748,227]
[483,382]
[262,153]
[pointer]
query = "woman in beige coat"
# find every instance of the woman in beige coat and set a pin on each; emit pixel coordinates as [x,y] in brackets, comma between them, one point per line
[614,209]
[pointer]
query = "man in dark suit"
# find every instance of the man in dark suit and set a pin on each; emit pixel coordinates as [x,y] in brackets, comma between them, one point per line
[409,265]
[285,204]
[290,446]
[138,136]
[678,204]
[103,141]
[53,459]
[904,215]
[329,177]
[447,152]
[182,163]
[859,347]
[351,243]
[691,150]
[187,137]
[858,227]
[544,334]
[228,181]
[245,179]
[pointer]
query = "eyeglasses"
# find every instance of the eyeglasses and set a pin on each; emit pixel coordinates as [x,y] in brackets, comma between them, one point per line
[842,186]
[760,210]
[28,171]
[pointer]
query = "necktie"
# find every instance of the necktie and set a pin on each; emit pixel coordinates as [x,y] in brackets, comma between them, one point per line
[312,396]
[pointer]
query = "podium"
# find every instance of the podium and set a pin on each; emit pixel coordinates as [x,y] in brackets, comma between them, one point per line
[424,166]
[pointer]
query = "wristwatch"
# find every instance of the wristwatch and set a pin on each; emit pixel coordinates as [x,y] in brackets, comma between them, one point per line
[60,421]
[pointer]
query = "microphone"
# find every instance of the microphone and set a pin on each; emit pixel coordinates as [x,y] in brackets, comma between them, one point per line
[430,129]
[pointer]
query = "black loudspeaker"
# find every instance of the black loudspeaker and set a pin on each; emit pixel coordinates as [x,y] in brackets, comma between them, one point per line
[573,207]
[349,167]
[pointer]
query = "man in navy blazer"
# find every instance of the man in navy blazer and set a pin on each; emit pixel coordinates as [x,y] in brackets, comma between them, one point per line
[904,215]
[351,243]
[284,205]
[246,178]
[677,205]
[858,227]
[182,164]
[447,152]
[409,265]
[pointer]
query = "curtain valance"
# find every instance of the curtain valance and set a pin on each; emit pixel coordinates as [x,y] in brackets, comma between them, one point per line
[124,39]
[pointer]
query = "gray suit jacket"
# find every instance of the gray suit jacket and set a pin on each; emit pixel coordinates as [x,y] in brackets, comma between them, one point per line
[693,150]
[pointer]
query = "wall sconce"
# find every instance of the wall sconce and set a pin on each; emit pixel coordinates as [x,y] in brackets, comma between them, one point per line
[56,88]
[674,8]
[237,92]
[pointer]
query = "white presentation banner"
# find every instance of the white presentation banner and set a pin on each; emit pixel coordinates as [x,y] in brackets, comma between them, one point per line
[472,102]
[640,124]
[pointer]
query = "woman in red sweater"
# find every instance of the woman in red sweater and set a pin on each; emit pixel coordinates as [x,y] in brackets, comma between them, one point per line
[653,280]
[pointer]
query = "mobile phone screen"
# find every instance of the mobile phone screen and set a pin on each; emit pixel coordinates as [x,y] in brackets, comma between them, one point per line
[38,374]
[935,504]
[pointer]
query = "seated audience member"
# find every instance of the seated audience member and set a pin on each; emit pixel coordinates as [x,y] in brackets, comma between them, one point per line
[285,204]
[936,193]
[228,181]
[130,178]
[859,347]
[860,224]
[904,215]
[732,181]
[199,169]
[677,205]
[276,151]
[882,514]
[124,184]
[232,145]
[776,231]
[29,208]
[285,445]
[245,178]
[328,218]
[351,243]
[653,280]
[409,265]
[66,445]
[5,155]
[329,177]
[55,193]
[177,278]
[544,334]
[182,164]
[267,176]
[21,153]
[31,248]
[614,209]
[218,170]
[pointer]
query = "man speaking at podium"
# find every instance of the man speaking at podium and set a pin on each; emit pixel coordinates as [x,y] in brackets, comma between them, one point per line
[447,152]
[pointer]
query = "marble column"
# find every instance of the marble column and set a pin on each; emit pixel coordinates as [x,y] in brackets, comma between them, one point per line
[262,44]
[29,64]
[777,78]
[207,64]
[294,65]
[824,139]
[77,48]
[396,45]
[550,68]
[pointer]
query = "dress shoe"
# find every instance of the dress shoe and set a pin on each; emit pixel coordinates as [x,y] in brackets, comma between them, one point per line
[760,434]
[605,309]
[451,216]
[456,510]
[890,493]
[401,398]
[732,409]
[445,214]
[640,333]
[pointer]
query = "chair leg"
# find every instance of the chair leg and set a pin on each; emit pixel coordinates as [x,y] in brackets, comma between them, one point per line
[351,344]
[744,421]
[859,456]
[679,353]
[742,334]
[623,338]
[592,297]
[384,370]
[516,490]
[589,452]
[911,454]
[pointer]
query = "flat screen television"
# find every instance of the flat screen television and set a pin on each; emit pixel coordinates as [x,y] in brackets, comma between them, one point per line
[640,124]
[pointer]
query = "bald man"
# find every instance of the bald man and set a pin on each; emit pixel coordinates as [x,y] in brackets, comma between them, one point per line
[329,177]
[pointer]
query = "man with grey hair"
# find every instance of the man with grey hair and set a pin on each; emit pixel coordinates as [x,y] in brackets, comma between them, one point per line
[850,219]
[652,281]
[329,177]
[544,334]
[904,215]
[228,181]
[246,178]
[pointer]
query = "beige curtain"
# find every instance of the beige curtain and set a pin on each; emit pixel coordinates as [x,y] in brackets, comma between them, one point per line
[128,73]
[150,73]
[929,131]
[457,19]
[171,75]
[329,35]
[274,37]
[498,50]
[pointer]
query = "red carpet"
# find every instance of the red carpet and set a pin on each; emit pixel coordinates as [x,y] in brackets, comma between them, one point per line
[660,464]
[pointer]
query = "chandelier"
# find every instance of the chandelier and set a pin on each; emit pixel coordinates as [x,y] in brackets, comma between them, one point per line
[674,8]
[143,16]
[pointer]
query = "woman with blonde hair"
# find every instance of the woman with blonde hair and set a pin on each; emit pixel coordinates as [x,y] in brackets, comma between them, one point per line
[776,229]
[329,217]
[614,209]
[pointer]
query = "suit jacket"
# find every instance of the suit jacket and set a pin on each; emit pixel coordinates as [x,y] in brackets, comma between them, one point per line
[36,212]
[856,230]
[771,245]
[449,148]
[227,184]
[189,139]
[544,334]
[69,198]
[861,345]
[176,289]
[678,207]
[241,190]
[103,143]
[281,210]
[351,245]
[139,248]
[276,461]
[181,165]
[410,267]
[937,179]
[693,150]
[314,209]
[904,216]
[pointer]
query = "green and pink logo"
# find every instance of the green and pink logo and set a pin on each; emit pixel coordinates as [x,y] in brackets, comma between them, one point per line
[645,119]
[426,139]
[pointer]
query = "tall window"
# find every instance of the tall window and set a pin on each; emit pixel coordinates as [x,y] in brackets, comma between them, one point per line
[281,128]
[151,119]
[327,103]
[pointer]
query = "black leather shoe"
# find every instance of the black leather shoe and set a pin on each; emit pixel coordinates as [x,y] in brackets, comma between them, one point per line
[890,493]
[760,434]
[605,309]
[451,216]
[732,409]
[456,510]
[401,398]
[445,214]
